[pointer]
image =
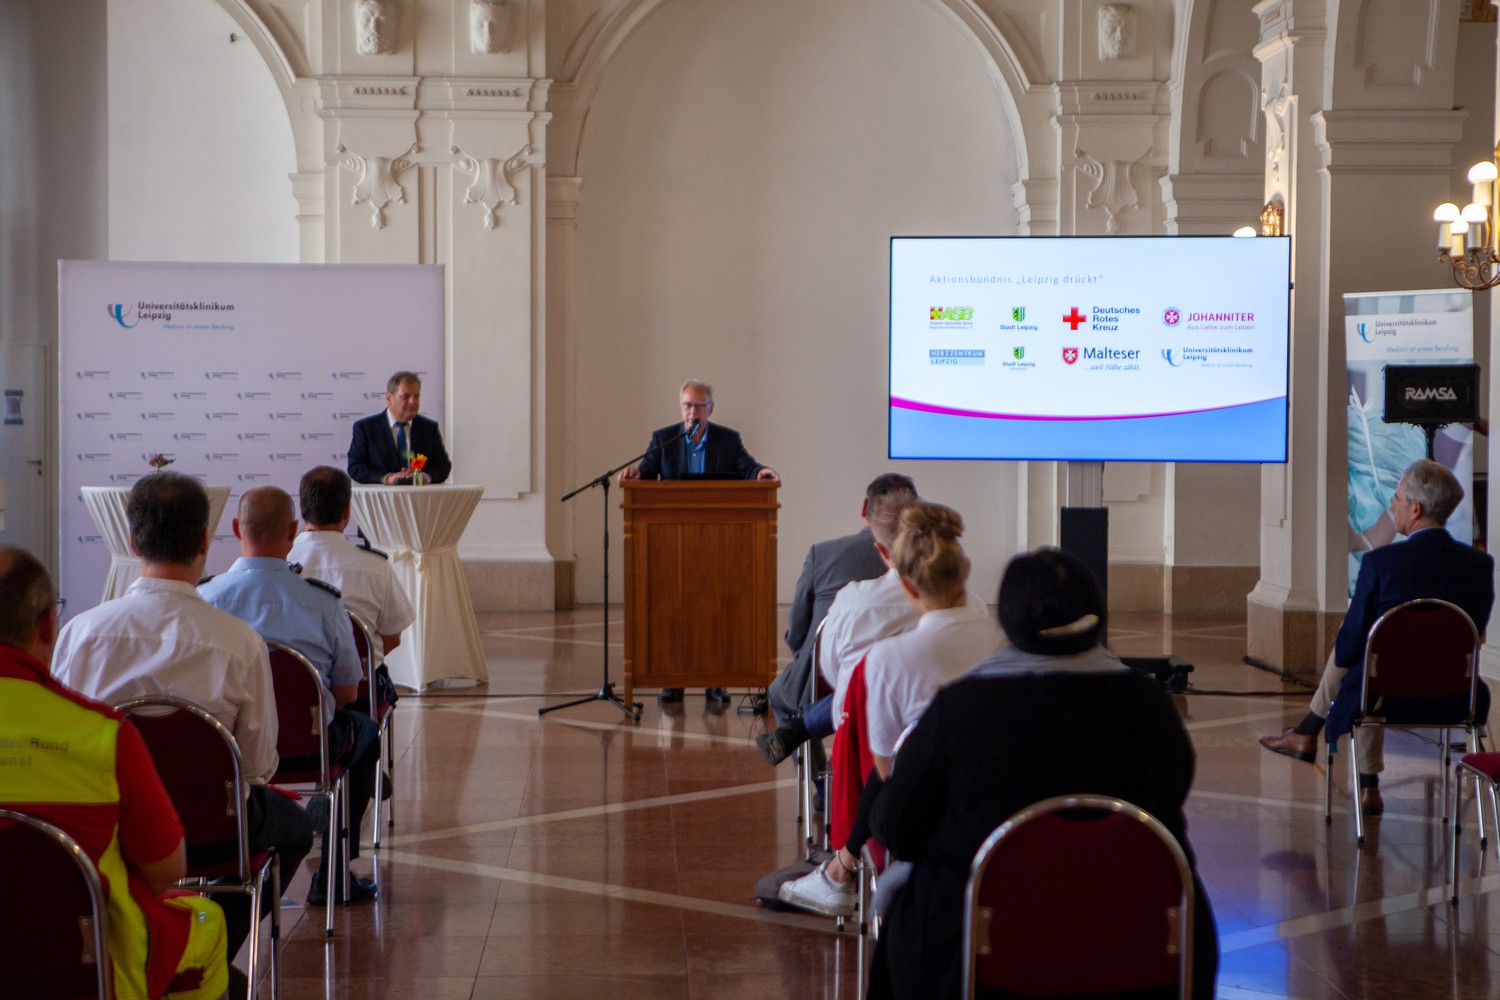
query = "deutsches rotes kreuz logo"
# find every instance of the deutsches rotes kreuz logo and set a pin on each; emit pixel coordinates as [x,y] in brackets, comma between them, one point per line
[117,313]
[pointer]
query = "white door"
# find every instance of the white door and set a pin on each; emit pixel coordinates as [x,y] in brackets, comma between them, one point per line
[25,516]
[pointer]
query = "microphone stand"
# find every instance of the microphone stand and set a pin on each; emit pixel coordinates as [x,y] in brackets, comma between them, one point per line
[606,690]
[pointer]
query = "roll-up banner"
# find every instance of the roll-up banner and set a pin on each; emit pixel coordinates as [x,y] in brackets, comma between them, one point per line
[241,374]
[1400,328]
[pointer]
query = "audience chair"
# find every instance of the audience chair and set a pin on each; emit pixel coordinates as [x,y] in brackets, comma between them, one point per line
[873,861]
[1421,672]
[58,947]
[200,764]
[1484,768]
[1079,895]
[302,703]
[383,712]
[806,778]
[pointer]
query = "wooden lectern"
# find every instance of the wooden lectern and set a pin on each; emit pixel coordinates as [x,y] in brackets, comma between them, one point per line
[700,583]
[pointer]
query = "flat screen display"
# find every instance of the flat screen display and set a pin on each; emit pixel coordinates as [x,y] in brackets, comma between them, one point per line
[1110,348]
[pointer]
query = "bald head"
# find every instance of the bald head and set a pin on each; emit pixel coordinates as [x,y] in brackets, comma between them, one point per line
[266,523]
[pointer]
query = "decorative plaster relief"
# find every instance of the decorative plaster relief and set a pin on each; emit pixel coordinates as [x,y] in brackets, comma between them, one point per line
[1116,185]
[490,26]
[1116,32]
[490,181]
[1277,125]
[377,182]
[375,27]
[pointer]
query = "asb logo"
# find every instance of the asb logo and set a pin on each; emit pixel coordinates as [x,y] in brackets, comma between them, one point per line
[1073,319]
[1018,314]
[1171,317]
[1018,352]
[1166,355]
[1070,355]
[117,313]
[953,314]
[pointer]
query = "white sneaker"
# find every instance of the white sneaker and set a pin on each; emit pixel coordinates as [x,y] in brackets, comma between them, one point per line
[817,892]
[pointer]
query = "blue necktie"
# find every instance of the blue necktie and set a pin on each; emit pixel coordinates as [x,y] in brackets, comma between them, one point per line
[401,448]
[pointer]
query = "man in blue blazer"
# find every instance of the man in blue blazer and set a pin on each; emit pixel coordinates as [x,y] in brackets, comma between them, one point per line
[1430,563]
[376,454]
[693,447]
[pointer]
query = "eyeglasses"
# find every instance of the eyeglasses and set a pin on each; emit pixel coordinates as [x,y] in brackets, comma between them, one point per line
[696,406]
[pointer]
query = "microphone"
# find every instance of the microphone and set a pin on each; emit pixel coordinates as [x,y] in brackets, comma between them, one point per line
[686,432]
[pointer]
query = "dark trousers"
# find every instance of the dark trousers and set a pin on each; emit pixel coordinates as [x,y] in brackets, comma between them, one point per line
[272,820]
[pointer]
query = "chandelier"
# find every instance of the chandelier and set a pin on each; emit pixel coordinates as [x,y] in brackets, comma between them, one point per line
[1466,236]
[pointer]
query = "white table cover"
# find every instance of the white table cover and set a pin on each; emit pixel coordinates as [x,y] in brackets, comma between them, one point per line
[419,528]
[106,506]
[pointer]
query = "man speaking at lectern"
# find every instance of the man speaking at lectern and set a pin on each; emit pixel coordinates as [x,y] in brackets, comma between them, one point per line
[694,448]
[378,452]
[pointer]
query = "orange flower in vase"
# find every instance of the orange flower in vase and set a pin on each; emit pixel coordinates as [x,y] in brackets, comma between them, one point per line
[418,477]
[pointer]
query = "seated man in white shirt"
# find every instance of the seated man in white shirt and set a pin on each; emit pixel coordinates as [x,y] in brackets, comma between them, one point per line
[863,612]
[161,637]
[369,587]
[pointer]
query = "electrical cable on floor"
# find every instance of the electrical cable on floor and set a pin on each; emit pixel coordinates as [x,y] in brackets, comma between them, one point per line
[1245,694]
[1286,678]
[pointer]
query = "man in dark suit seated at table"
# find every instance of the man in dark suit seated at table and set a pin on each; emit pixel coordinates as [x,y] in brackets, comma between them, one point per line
[1430,563]
[693,448]
[378,452]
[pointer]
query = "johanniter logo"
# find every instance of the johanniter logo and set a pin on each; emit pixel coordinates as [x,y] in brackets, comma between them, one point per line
[117,313]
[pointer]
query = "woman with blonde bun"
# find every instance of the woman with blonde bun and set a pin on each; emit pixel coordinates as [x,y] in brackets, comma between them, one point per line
[901,675]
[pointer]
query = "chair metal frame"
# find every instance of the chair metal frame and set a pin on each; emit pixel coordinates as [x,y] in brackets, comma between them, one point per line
[331,775]
[365,638]
[98,929]
[1364,717]
[976,916]
[1484,781]
[806,780]
[253,877]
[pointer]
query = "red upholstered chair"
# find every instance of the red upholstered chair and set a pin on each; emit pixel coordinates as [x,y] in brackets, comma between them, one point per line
[1484,768]
[1078,895]
[302,703]
[200,765]
[57,947]
[1421,672]
[384,713]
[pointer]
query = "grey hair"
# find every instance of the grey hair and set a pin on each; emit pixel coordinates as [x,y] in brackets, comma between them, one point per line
[1435,488]
[697,383]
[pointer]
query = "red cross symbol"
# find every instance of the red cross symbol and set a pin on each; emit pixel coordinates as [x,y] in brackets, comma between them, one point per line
[1074,318]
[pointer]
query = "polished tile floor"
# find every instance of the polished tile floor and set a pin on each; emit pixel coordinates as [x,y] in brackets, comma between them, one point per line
[582,855]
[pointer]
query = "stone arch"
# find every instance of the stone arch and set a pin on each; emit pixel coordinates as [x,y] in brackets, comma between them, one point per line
[586,68]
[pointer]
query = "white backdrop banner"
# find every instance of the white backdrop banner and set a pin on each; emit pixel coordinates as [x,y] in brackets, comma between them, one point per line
[1400,328]
[242,374]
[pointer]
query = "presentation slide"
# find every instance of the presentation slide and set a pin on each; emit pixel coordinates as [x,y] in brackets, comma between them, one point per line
[1090,348]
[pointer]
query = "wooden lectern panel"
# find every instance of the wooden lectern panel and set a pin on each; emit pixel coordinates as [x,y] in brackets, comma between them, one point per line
[700,583]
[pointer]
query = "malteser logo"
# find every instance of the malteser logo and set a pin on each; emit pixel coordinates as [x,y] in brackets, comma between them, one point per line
[1070,355]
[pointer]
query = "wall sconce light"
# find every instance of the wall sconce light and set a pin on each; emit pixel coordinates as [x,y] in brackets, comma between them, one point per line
[1466,236]
[1273,218]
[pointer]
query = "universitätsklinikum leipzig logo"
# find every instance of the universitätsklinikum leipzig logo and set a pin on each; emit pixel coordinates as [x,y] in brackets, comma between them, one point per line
[117,313]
